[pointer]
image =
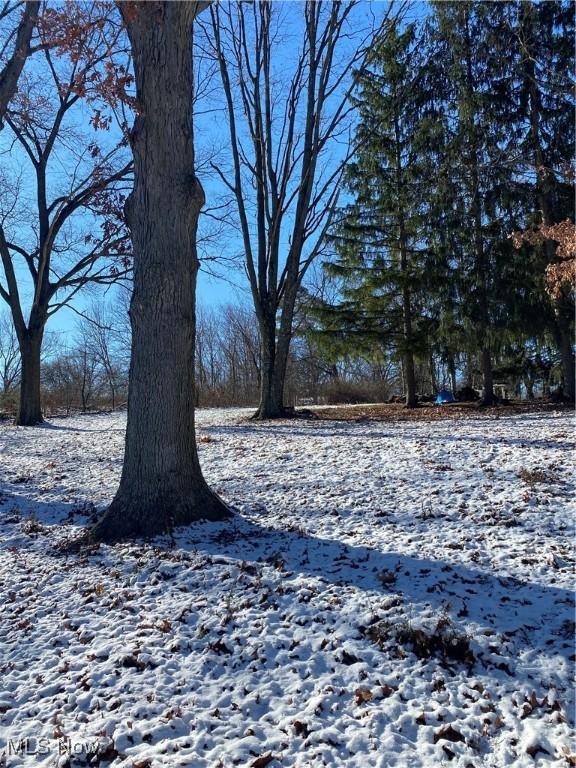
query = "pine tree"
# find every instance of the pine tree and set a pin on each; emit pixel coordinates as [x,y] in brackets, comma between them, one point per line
[484,148]
[544,57]
[469,43]
[379,256]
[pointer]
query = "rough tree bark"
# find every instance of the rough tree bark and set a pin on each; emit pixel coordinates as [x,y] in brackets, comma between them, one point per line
[162,484]
[13,67]
[30,410]
[271,405]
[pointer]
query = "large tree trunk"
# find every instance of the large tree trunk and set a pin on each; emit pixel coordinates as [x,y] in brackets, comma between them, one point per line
[283,347]
[162,484]
[275,348]
[487,378]
[30,409]
[271,405]
[567,360]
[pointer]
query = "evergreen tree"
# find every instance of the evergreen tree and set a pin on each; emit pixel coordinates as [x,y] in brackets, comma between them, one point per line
[469,45]
[463,139]
[380,259]
[544,57]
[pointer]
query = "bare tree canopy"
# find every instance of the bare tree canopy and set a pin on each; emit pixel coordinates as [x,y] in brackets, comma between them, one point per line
[61,199]
[289,128]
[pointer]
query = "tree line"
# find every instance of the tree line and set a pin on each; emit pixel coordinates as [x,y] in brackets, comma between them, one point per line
[410,123]
[465,136]
[413,173]
[86,369]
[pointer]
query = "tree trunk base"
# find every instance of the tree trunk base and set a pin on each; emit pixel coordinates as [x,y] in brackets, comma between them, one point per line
[265,414]
[125,518]
[27,418]
[287,412]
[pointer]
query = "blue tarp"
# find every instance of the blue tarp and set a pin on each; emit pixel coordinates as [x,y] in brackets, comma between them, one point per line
[444,396]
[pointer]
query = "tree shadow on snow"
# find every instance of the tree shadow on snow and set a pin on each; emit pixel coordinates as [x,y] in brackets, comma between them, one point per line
[527,619]
[19,509]
[64,428]
[532,616]
[527,627]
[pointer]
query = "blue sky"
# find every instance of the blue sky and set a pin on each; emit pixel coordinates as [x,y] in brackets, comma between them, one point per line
[211,133]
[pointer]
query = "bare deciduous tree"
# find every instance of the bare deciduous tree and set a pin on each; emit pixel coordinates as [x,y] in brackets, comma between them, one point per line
[227,359]
[289,142]
[104,343]
[76,235]
[9,355]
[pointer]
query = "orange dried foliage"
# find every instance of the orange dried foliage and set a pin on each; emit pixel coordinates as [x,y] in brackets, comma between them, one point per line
[562,273]
[92,38]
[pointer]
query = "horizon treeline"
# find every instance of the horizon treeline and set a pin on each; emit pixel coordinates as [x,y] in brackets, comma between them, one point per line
[465,135]
[438,209]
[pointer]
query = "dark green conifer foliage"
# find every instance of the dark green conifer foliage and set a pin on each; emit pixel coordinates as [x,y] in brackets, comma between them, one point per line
[544,57]
[465,135]
[380,258]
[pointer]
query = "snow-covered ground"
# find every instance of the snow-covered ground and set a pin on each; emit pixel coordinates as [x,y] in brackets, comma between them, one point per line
[389,594]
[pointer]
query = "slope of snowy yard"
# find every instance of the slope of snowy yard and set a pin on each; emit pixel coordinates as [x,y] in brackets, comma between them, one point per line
[388,594]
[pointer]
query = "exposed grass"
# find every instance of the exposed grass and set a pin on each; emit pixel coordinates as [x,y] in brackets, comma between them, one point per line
[430,412]
[535,476]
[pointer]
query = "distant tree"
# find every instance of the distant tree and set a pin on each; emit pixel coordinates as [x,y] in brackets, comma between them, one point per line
[544,107]
[120,323]
[288,121]
[68,231]
[467,44]
[58,385]
[491,152]
[9,355]
[101,339]
[83,367]
[381,261]
[227,356]
[72,378]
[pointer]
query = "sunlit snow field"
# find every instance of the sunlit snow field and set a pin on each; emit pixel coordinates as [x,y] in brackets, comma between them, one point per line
[388,594]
